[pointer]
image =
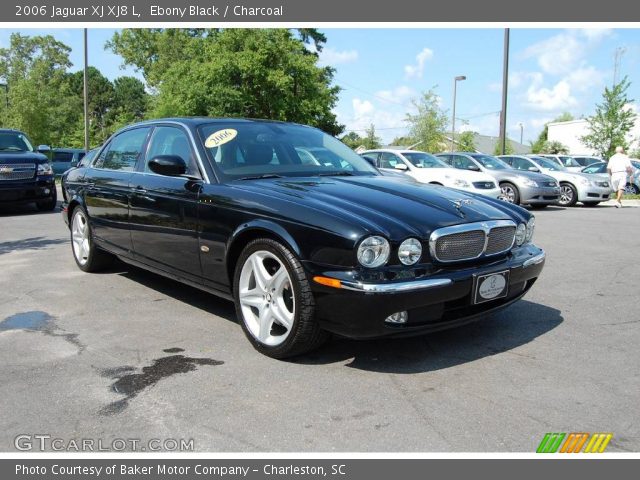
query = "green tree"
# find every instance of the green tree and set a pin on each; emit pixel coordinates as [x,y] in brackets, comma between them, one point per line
[371,140]
[429,124]
[508,148]
[101,100]
[352,140]
[554,147]
[403,141]
[35,72]
[466,141]
[256,73]
[612,121]
[538,145]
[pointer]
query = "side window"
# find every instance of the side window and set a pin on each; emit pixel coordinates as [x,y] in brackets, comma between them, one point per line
[170,141]
[62,157]
[462,163]
[123,151]
[521,164]
[507,160]
[446,159]
[388,160]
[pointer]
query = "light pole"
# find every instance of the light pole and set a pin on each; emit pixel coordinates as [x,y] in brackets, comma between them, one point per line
[457,79]
[86,94]
[521,125]
[505,86]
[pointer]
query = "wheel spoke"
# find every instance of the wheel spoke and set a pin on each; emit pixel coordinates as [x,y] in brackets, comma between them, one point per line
[260,273]
[277,281]
[281,314]
[265,321]
[252,298]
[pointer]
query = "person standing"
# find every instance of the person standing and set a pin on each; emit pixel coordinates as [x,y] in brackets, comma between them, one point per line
[619,167]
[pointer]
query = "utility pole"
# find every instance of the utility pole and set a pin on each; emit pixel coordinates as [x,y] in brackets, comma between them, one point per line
[617,61]
[505,84]
[86,94]
[457,79]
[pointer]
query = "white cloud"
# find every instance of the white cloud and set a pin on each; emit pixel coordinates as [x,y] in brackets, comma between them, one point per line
[329,56]
[362,108]
[416,70]
[556,98]
[400,94]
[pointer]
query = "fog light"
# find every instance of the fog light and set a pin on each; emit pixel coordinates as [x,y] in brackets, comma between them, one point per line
[47,191]
[398,317]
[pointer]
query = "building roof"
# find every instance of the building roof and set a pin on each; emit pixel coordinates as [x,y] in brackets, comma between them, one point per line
[487,144]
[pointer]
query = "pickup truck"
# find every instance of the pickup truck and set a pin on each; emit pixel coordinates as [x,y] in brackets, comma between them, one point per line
[26,175]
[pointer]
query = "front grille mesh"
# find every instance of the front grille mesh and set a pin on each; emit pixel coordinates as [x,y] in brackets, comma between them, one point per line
[500,239]
[460,246]
[484,185]
[17,171]
[474,241]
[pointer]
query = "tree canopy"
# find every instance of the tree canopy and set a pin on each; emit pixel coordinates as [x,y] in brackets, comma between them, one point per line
[429,124]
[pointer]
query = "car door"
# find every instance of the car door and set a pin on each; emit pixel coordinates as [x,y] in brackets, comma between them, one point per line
[106,190]
[163,214]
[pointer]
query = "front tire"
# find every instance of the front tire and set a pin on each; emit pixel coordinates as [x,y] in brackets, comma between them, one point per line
[87,255]
[510,193]
[274,302]
[568,195]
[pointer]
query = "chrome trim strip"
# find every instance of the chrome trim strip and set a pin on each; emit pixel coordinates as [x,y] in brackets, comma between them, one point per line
[486,227]
[535,260]
[398,287]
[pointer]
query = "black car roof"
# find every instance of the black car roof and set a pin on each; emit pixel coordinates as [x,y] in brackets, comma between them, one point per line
[68,150]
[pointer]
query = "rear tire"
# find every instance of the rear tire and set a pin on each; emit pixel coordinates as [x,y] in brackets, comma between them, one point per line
[87,255]
[510,193]
[274,302]
[568,195]
[632,189]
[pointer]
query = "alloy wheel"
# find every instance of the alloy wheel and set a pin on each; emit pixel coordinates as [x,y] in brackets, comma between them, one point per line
[508,194]
[266,298]
[80,237]
[566,195]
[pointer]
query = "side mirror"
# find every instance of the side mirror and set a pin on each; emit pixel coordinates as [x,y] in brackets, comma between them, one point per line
[473,168]
[533,169]
[74,164]
[43,149]
[401,166]
[169,165]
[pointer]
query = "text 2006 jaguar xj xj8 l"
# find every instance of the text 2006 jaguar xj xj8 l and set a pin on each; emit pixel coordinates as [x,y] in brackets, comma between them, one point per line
[305,236]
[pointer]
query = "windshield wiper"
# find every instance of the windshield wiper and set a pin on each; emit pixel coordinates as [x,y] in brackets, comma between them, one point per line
[336,174]
[258,177]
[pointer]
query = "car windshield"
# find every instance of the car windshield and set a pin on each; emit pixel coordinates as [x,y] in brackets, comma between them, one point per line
[569,161]
[14,142]
[594,168]
[249,150]
[424,160]
[546,163]
[491,163]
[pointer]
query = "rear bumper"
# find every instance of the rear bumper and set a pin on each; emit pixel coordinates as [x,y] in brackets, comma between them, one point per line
[438,301]
[29,191]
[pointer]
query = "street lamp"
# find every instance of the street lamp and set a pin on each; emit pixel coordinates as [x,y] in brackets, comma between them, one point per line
[457,79]
[521,125]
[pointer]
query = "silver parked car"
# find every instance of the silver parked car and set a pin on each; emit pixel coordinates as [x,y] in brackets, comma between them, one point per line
[633,181]
[519,187]
[574,187]
[586,160]
[569,163]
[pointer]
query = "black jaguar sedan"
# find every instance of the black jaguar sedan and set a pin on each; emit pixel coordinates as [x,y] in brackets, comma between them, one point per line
[300,232]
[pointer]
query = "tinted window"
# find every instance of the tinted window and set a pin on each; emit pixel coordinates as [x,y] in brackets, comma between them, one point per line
[86,160]
[598,168]
[522,164]
[446,159]
[569,161]
[491,163]
[62,156]
[14,142]
[388,160]
[424,160]
[545,162]
[170,141]
[463,163]
[123,151]
[250,149]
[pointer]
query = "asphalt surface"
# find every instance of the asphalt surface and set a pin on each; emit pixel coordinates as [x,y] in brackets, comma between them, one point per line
[127,355]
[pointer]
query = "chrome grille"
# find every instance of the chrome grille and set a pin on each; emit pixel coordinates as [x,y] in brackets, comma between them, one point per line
[500,239]
[484,185]
[17,171]
[472,240]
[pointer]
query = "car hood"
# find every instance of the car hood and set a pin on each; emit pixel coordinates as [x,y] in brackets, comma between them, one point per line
[383,205]
[21,157]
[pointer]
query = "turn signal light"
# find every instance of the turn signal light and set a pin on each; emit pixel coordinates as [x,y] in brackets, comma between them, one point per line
[329,282]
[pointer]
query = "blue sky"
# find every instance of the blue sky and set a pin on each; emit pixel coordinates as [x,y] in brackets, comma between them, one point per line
[381,70]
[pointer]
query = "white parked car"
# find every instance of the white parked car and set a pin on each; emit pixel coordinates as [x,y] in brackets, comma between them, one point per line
[574,187]
[426,168]
[569,163]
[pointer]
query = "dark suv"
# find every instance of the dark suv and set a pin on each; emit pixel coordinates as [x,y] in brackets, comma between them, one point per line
[25,175]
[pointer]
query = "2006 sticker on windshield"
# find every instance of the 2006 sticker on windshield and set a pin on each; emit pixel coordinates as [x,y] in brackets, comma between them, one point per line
[220,137]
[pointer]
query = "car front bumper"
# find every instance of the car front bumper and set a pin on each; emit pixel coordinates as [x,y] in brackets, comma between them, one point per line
[589,193]
[40,188]
[539,195]
[433,302]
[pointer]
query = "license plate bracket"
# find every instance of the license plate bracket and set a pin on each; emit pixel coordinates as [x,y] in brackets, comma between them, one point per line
[490,286]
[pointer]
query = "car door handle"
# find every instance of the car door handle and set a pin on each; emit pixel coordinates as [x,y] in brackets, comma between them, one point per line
[140,189]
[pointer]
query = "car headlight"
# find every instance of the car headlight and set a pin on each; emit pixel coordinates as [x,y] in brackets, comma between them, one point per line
[530,183]
[410,251]
[45,169]
[373,252]
[531,225]
[521,233]
[461,183]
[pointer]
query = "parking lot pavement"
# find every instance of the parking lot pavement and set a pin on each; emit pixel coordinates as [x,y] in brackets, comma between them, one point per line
[126,354]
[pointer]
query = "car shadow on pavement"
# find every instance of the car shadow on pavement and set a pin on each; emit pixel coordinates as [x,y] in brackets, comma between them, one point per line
[33,243]
[26,209]
[502,332]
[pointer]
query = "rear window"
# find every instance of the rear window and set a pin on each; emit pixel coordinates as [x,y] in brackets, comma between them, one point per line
[62,156]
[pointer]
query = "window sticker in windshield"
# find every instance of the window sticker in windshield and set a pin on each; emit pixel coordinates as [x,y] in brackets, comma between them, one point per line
[220,137]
